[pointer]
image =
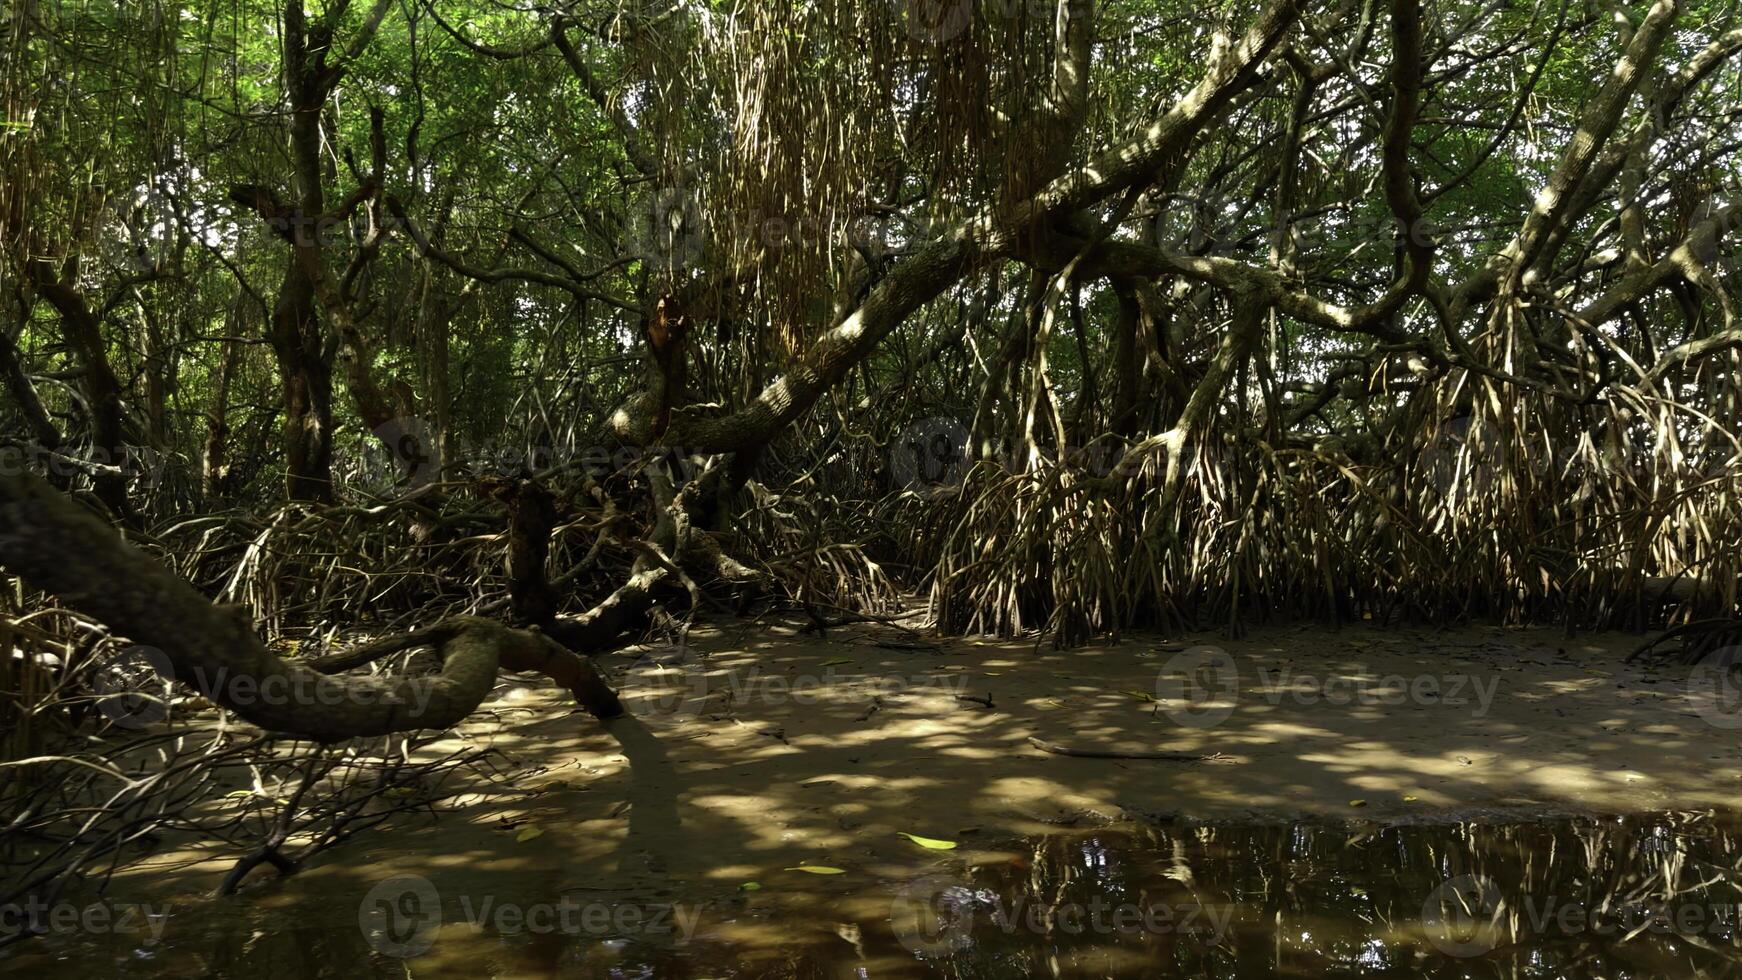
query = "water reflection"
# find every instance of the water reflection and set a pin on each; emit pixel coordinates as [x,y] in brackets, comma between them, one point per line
[1647,896]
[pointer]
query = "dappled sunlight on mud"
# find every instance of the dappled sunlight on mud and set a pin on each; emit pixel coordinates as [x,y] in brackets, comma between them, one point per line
[1645,895]
[742,769]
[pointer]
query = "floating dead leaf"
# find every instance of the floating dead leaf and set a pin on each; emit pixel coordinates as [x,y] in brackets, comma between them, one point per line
[930,842]
[818,869]
[528,833]
[1357,803]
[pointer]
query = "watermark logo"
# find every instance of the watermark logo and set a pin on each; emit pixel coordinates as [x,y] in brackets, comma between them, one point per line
[671,683]
[34,916]
[1460,918]
[134,687]
[666,229]
[933,917]
[934,21]
[1464,459]
[1470,916]
[1358,687]
[676,687]
[401,916]
[143,217]
[1201,687]
[928,452]
[142,464]
[1715,688]
[404,449]
[1198,687]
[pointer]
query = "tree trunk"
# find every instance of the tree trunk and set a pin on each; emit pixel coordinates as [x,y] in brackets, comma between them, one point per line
[84,335]
[531,515]
[305,371]
[1127,362]
[24,396]
[61,548]
[214,462]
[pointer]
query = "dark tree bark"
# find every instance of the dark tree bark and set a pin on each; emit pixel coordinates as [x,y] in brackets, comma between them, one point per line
[102,389]
[24,397]
[531,515]
[1127,363]
[214,459]
[57,546]
[305,371]
[304,350]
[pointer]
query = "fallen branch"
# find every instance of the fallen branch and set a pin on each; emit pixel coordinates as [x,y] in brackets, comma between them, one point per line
[1057,749]
[61,548]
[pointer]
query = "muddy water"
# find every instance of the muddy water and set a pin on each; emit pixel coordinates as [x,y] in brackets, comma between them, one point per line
[1657,895]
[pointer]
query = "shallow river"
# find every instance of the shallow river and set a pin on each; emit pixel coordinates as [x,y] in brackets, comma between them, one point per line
[1651,896]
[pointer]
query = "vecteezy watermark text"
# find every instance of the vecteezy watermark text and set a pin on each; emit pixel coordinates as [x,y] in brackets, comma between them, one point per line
[1471,915]
[683,689]
[935,917]
[402,917]
[36,916]
[1202,686]
[134,688]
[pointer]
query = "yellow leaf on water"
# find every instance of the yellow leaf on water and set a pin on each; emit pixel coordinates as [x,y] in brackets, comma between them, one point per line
[1357,802]
[528,833]
[817,869]
[1410,799]
[931,842]
[750,886]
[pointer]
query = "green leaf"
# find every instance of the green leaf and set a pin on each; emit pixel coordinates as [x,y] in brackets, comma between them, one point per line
[528,833]
[931,842]
[750,886]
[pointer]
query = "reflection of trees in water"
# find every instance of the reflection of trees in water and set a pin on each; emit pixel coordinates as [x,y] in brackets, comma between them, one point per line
[1653,895]
[1298,900]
